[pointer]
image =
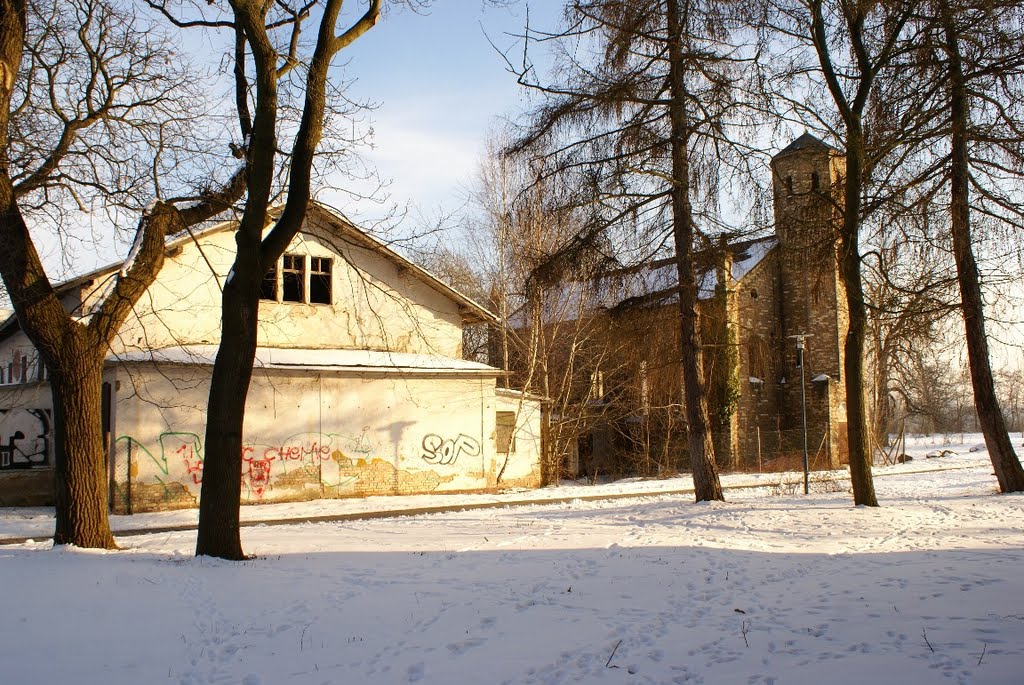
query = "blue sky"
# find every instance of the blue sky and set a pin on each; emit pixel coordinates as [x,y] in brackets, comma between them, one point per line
[441,88]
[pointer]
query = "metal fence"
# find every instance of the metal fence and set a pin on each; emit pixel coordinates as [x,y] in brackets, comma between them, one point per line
[121,477]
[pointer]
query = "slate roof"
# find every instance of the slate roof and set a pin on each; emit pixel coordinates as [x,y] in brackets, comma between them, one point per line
[807,140]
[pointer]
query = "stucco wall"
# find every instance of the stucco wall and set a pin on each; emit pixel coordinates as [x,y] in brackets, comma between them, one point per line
[376,304]
[312,435]
[522,468]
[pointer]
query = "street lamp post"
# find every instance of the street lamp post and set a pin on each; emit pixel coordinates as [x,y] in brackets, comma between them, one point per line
[800,338]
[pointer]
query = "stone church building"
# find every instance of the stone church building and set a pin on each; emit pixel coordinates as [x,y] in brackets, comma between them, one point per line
[756,295]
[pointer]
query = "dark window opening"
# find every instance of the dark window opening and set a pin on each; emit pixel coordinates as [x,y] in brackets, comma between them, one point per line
[815,180]
[294,278]
[504,433]
[320,280]
[268,288]
[753,293]
[789,185]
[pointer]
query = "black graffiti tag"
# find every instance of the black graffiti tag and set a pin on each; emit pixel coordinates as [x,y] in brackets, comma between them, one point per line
[437,450]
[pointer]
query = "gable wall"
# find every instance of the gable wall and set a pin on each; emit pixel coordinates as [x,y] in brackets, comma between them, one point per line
[376,304]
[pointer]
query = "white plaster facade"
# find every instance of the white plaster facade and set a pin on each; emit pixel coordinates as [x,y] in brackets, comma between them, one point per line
[365,394]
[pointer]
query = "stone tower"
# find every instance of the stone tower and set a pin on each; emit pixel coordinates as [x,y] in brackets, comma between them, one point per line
[808,179]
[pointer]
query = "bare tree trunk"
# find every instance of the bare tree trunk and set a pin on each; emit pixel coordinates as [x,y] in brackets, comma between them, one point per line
[853,364]
[80,480]
[219,533]
[1004,460]
[232,371]
[702,449]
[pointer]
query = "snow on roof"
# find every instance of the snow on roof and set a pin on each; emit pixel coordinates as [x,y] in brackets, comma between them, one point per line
[660,276]
[338,360]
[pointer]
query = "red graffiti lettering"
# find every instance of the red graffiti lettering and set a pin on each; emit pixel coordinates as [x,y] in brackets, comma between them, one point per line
[193,464]
[257,472]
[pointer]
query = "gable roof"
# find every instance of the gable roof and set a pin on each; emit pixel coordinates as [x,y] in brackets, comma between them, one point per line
[472,311]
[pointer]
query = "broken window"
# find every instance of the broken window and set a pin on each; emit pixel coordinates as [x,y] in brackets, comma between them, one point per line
[320,280]
[268,288]
[293,281]
[504,432]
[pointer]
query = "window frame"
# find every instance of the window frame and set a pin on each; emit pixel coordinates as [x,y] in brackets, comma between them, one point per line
[298,275]
[322,276]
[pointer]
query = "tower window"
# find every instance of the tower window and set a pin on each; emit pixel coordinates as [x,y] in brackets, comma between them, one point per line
[294,278]
[320,280]
[815,180]
[789,185]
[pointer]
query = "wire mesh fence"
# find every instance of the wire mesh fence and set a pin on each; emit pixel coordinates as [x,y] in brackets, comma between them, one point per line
[121,477]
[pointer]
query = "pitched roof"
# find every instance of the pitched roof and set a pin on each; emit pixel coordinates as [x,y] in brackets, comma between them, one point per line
[657,281]
[472,310]
[804,142]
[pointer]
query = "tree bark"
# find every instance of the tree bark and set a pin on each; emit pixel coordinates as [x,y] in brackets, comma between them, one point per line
[706,484]
[80,480]
[1004,460]
[858,430]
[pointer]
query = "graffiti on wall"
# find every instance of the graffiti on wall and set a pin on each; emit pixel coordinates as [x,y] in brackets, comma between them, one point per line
[323,464]
[255,471]
[185,448]
[437,450]
[25,438]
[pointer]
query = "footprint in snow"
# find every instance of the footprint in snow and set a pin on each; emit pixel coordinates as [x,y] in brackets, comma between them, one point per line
[416,672]
[458,648]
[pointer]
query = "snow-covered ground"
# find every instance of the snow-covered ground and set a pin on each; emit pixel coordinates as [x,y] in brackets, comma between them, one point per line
[769,587]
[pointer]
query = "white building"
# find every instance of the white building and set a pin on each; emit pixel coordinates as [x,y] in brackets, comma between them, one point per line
[359,386]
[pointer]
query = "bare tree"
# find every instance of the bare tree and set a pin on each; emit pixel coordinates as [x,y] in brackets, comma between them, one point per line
[980,44]
[909,294]
[649,128]
[91,112]
[853,43]
[267,38]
